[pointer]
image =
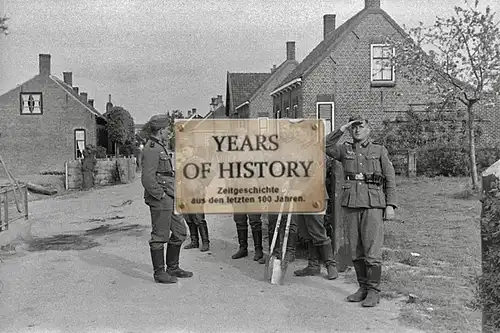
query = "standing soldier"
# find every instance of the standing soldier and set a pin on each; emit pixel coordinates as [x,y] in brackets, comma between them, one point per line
[369,191]
[158,181]
[196,222]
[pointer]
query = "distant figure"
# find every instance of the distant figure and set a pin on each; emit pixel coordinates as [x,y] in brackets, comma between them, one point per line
[88,166]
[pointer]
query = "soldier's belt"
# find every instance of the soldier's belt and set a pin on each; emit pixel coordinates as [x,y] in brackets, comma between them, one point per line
[367,178]
[167,173]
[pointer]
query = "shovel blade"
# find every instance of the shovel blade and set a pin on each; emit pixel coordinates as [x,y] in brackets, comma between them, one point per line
[276,272]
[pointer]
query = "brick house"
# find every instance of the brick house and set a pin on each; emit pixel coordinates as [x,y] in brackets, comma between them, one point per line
[46,121]
[346,74]
[248,94]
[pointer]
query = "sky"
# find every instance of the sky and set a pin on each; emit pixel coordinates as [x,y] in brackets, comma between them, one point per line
[153,56]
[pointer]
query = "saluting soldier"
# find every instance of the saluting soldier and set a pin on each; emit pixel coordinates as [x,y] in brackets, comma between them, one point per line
[369,192]
[159,182]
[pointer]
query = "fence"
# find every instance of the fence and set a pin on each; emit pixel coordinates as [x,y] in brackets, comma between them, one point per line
[107,171]
[13,205]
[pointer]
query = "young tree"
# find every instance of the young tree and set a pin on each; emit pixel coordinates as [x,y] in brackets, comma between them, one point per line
[120,127]
[462,62]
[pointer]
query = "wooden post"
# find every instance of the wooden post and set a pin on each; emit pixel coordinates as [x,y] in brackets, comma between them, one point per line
[6,210]
[1,223]
[412,163]
[342,248]
[26,202]
[490,224]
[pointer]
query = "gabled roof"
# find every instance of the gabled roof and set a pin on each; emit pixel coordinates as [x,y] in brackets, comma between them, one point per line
[243,85]
[327,45]
[73,93]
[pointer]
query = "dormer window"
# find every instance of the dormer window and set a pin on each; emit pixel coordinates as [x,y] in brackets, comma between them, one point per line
[382,70]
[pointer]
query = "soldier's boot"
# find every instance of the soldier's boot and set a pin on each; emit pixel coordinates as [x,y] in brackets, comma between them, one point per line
[373,282]
[243,241]
[329,260]
[173,253]
[160,275]
[313,267]
[205,242]
[360,294]
[193,233]
[291,247]
[257,241]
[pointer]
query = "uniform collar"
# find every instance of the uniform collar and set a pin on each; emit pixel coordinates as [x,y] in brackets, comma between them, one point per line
[364,144]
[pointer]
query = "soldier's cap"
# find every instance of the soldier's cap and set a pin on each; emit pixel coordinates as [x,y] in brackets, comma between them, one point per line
[159,121]
[358,120]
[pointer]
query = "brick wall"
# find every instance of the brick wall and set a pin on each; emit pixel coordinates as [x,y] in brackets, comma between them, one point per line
[262,104]
[34,143]
[346,75]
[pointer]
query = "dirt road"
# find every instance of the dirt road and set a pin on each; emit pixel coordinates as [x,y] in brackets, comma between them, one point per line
[88,270]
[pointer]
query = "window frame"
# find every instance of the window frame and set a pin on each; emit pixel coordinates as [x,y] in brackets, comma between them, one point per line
[382,82]
[332,120]
[76,141]
[21,103]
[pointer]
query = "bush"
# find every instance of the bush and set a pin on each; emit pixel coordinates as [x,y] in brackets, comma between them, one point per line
[99,151]
[440,140]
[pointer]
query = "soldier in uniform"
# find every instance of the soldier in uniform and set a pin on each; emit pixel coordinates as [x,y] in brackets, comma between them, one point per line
[367,194]
[196,222]
[158,181]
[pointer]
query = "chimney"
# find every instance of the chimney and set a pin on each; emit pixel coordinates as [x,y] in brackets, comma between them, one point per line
[273,69]
[83,97]
[372,3]
[189,113]
[194,111]
[91,102]
[68,78]
[329,24]
[290,50]
[109,105]
[44,64]
[219,99]
[75,89]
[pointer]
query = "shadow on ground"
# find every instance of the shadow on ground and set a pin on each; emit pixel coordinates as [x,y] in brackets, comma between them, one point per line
[82,241]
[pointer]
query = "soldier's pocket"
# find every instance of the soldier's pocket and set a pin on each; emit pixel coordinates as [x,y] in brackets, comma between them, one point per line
[349,163]
[346,194]
[373,163]
[377,195]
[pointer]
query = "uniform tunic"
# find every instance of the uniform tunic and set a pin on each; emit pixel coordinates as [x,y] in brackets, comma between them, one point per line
[159,183]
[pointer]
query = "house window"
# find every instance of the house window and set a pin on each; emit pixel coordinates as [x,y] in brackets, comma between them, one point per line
[287,112]
[31,103]
[324,110]
[262,125]
[79,143]
[382,70]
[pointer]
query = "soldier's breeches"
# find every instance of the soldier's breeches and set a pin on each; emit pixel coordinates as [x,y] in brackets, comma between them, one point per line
[254,220]
[365,227]
[312,227]
[196,219]
[273,219]
[166,227]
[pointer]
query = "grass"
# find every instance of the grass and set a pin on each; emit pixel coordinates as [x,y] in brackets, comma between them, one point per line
[437,218]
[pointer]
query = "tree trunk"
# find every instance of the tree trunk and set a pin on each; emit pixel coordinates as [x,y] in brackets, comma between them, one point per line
[117,150]
[472,148]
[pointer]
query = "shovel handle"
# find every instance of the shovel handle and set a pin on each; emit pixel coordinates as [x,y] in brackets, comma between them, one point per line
[276,230]
[287,232]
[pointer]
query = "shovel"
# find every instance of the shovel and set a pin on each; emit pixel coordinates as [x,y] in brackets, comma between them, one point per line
[275,269]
